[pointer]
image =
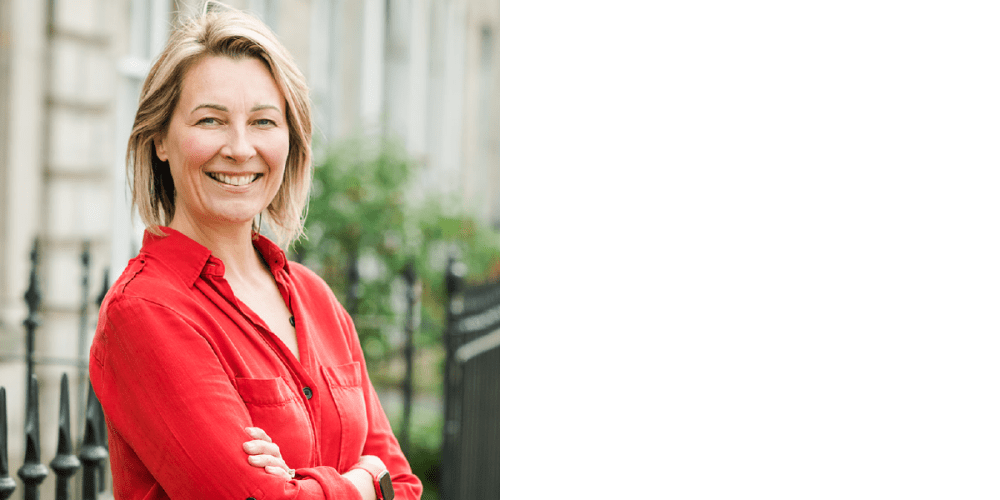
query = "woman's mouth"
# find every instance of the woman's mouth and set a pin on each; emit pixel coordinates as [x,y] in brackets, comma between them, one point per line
[234,180]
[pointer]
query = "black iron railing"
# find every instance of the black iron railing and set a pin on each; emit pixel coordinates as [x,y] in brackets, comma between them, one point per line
[33,472]
[93,450]
[470,461]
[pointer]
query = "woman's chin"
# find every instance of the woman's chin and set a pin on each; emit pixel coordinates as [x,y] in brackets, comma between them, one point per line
[237,216]
[223,220]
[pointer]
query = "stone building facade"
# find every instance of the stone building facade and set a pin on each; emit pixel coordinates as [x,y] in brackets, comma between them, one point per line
[423,71]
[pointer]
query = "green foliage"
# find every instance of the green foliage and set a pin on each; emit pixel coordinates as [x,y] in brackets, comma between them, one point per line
[358,209]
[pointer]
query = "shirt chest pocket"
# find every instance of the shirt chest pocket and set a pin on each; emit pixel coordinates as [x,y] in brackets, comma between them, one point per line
[276,408]
[346,386]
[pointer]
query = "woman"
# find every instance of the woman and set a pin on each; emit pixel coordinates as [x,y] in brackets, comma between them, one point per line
[224,370]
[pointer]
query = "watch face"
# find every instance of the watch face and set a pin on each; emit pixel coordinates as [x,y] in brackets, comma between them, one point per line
[385,484]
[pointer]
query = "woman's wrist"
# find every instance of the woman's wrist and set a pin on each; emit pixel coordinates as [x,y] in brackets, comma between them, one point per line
[361,480]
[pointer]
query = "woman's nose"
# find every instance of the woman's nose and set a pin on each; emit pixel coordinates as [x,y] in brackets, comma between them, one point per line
[238,147]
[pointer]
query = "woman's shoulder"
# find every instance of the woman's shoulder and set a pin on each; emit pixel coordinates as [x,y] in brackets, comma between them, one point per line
[302,274]
[311,284]
[300,270]
[148,280]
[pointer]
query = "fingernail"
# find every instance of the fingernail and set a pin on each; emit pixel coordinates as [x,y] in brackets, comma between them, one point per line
[248,446]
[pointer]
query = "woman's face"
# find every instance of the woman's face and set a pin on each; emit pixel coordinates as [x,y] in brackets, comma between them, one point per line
[227,142]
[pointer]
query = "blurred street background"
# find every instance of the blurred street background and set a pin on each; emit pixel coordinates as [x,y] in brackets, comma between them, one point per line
[405,97]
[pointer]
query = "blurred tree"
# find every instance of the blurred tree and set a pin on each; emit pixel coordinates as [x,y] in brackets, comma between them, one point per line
[358,212]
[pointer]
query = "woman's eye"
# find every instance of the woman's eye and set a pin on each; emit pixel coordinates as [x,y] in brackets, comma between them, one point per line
[266,122]
[208,121]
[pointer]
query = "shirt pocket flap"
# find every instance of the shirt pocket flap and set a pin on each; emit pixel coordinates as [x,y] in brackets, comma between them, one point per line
[348,375]
[264,391]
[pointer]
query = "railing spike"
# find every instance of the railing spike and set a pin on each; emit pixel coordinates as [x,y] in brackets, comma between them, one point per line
[33,471]
[353,284]
[65,464]
[91,452]
[7,484]
[102,440]
[412,321]
[33,297]
[104,287]
[84,304]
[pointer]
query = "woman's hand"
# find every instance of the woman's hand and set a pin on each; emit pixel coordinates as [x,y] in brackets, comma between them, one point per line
[265,454]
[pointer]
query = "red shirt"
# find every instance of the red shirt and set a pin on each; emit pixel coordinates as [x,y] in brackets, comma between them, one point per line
[181,367]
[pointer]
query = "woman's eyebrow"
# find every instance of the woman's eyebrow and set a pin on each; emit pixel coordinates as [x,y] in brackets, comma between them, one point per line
[226,110]
[264,106]
[211,106]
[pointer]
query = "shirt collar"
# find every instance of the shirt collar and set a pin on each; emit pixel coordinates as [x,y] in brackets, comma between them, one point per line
[272,254]
[183,255]
[190,259]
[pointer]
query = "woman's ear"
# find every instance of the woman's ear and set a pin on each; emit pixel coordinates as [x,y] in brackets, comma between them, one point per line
[161,150]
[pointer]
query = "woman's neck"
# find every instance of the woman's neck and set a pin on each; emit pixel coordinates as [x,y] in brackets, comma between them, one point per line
[230,243]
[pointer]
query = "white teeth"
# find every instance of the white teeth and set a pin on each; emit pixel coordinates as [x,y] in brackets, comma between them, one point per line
[234,180]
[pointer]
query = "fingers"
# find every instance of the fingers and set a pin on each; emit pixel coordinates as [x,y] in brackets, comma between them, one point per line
[278,471]
[257,433]
[265,461]
[261,444]
[258,447]
[265,454]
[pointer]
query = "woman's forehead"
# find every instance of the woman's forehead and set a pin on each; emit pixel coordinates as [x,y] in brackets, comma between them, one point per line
[230,84]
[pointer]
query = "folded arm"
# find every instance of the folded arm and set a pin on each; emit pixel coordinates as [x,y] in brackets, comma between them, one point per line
[264,453]
[172,402]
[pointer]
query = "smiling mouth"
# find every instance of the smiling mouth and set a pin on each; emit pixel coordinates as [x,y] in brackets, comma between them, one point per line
[234,180]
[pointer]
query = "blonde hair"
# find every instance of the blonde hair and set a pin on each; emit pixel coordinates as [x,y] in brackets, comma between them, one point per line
[219,31]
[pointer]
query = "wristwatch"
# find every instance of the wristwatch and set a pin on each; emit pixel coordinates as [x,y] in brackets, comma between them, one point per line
[383,483]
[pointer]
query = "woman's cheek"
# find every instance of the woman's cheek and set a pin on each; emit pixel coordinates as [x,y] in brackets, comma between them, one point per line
[199,148]
[276,147]
[276,156]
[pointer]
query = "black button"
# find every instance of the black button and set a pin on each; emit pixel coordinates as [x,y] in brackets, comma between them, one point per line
[291,319]
[308,392]
[251,498]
